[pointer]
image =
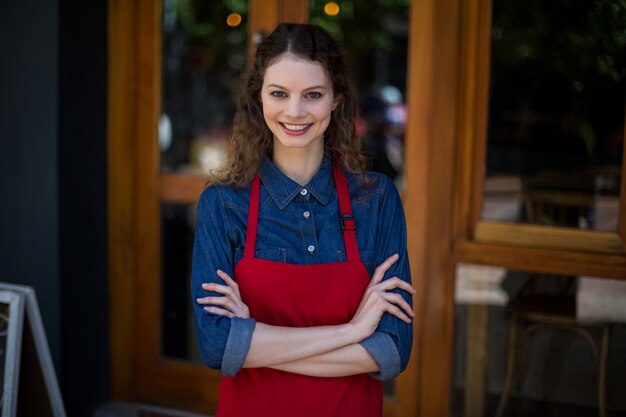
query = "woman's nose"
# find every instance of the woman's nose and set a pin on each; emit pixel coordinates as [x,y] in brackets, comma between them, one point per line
[294,108]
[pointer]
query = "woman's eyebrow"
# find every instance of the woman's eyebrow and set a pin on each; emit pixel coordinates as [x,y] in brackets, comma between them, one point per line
[315,87]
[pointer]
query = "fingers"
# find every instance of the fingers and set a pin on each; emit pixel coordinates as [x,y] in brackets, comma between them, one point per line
[227,279]
[396,311]
[218,288]
[219,311]
[397,300]
[396,282]
[379,272]
[229,302]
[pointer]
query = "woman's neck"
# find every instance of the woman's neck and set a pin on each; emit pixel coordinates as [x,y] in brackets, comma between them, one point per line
[299,164]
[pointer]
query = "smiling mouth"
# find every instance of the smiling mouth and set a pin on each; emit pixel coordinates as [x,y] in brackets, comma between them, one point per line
[295,128]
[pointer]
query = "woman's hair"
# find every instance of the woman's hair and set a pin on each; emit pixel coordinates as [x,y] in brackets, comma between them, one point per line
[252,139]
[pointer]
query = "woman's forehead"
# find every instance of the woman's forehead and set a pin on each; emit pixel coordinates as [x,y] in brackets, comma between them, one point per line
[292,69]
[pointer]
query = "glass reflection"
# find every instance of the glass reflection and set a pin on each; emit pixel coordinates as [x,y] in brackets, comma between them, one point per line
[178,222]
[374,37]
[531,344]
[204,56]
[556,115]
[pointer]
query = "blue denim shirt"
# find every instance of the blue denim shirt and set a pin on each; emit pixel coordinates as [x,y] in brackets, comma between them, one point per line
[297,227]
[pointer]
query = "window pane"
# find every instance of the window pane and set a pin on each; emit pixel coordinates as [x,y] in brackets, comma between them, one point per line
[178,335]
[204,55]
[374,38]
[556,113]
[562,328]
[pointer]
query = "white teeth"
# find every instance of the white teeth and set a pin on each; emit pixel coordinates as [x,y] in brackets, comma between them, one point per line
[295,127]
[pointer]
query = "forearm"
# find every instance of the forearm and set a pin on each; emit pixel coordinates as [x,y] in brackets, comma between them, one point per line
[348,360]
[273,345]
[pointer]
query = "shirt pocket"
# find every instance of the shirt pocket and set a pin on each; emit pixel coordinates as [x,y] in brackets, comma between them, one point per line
[268,254]
[367,258]
[272,254]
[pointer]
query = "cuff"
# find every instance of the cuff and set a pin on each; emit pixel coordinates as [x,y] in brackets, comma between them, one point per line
[237,345]
[381,348]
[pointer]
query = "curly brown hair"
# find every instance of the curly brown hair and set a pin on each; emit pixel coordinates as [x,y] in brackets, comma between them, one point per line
[252,139]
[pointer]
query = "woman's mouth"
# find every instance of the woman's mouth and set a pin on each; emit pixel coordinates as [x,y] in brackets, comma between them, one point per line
[295,129]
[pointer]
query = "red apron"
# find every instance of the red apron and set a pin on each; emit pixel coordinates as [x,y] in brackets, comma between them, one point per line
[300,296]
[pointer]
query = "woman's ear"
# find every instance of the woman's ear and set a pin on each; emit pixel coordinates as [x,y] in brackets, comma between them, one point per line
[336,102]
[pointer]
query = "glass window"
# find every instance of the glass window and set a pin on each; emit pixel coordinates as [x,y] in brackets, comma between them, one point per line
[204,57]
[374,38]
[178,222]
[556,113]
[530,344]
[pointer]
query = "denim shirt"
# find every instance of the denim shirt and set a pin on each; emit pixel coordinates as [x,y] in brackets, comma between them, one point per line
[297,225]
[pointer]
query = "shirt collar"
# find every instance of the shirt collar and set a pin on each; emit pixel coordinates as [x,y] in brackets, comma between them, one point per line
[283,189]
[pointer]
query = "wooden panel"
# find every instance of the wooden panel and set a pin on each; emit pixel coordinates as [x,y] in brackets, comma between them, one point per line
[473,118]
[147,163]
[429,155]
[549,261]
[121,182]
[548,237]
[476,360]
[183,385]
[181,188]
[293,11]
[419,97]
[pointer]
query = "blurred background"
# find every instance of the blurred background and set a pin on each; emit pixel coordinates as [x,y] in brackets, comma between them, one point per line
[500,122]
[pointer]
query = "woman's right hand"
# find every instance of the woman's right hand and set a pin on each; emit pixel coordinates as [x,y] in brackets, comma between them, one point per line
[377,300]
[229,304]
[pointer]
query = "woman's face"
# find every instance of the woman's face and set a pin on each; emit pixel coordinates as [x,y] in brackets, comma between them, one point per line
[297,98]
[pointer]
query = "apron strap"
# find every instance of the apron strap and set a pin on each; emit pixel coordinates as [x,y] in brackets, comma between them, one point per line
[253,217]
[348,223]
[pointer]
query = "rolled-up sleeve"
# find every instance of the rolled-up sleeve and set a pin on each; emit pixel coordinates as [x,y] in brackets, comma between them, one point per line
[390,344]
[223,342]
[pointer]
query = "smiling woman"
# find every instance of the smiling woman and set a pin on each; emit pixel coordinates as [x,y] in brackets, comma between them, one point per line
[288,304]
[297,99]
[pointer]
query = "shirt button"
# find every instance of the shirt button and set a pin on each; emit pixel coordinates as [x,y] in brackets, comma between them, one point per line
[304,191]
[306,214]
[311,248]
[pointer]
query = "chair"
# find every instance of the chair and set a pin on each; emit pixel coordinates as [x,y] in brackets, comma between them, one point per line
[532,311]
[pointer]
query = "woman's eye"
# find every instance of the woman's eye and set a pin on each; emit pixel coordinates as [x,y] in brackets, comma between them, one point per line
[314,95]
[278,94]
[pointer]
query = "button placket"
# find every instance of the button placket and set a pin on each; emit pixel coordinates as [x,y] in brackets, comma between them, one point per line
[307,226]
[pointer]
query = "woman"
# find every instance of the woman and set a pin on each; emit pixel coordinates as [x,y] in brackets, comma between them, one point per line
[287,242]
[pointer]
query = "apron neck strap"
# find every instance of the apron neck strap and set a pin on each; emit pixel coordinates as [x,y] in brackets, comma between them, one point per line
[253,217]
[348,224]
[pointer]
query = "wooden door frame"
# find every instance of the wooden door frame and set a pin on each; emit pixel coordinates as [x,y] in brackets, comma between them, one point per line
[136,189]
[448,93]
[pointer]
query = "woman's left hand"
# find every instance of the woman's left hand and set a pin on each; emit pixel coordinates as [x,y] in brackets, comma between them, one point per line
[230,305]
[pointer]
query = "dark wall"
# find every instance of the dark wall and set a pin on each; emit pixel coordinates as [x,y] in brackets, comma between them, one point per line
[29,184]
[82,203]
[53,181]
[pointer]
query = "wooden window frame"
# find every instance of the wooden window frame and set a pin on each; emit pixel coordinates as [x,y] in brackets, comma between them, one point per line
[447,120]
[517,246]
